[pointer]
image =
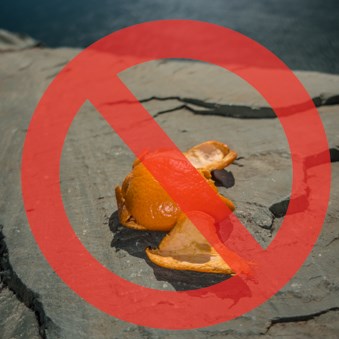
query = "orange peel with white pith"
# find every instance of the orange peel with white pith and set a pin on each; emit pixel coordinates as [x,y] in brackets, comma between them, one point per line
[185,248]
[210,155]
[142,202]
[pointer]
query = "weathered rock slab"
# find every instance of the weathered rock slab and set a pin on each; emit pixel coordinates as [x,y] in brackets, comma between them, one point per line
[94,160]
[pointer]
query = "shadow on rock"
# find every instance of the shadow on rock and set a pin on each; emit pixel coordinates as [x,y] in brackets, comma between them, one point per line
[134,242]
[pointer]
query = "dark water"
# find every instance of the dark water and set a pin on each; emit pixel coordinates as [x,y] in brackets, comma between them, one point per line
[303,33]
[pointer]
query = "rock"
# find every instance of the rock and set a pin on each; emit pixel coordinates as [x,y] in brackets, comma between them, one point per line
[16,320]
[16,41]
[231,96]
[94,160]
[23,313]
[308,327]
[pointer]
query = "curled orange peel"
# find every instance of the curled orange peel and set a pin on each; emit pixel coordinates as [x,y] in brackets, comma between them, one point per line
[142,202]
[185,248]
[210,155]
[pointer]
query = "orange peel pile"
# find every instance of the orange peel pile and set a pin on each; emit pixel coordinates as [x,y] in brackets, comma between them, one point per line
[144,205]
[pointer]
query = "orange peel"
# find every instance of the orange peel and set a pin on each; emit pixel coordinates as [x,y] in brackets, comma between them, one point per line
[185,248]
[142,202]
[210,155]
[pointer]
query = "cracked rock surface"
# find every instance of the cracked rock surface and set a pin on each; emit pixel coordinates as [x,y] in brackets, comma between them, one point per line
[35,302]
[16,319]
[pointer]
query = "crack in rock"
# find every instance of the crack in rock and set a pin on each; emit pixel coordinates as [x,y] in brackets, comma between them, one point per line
[300,203]
[321,158]
[298,318]
[257,213]
[279,208]
[240,111]
[334,154]
[10,279]
[332,241]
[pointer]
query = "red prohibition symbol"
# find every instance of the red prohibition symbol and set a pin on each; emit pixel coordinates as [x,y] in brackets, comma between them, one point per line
[93,76]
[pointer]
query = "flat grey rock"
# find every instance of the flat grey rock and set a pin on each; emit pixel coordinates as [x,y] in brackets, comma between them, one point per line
[95,160]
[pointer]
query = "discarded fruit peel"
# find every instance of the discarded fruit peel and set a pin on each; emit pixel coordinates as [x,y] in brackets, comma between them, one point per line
[185,248]
[210,155]
[142,202]
[144,205]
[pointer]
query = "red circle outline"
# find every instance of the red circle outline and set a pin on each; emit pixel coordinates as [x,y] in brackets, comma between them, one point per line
[86,77]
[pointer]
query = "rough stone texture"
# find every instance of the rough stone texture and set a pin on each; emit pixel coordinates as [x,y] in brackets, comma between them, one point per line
[15,41]
[214,91]
[16,320]
[94,160]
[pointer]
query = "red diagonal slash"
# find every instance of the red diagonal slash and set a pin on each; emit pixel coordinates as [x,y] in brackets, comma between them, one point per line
[93,75]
